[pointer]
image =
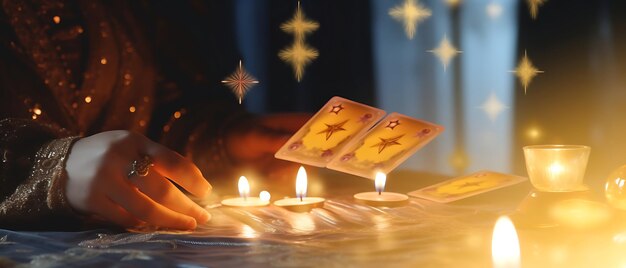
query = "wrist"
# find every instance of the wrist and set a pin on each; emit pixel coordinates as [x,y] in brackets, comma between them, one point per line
[49,164]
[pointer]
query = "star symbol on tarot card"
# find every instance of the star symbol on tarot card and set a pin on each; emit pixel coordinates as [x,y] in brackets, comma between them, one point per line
[331,129]
[470,184]
[393,124]
[445,52]
[534,5]
[299,25]
[526,71]
[385,143]
[410,13]
[336,109]
[240,82]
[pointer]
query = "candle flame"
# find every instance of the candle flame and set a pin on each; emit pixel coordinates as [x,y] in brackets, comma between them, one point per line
[301,183]
[244,187]
[379,182]
[265,196]
[505,249]
[555,169]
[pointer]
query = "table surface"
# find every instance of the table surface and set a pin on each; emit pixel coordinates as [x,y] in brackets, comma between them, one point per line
[342,233]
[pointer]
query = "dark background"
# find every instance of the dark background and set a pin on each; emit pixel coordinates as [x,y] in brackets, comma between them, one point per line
[578,100]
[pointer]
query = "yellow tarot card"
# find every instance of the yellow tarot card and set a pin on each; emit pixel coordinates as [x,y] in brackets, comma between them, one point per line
[466,186]
[384,147]
[328,131]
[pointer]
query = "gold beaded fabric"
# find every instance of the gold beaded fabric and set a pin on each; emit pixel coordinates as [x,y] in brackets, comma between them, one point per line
[32,174]
[90,73]
[67,69]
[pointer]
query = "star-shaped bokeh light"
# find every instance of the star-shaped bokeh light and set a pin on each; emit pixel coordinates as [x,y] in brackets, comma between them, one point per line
[240,82]
[410,13]
[445,52]
[494,10]
[493,106]
[534,5]
[298,55]
[459,160]
[299,25]
[526,71]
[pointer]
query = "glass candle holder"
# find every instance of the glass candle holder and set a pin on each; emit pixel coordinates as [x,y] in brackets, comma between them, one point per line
[557,168]
[615,188]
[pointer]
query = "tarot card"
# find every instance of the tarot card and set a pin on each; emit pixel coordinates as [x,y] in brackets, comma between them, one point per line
[328,131]
[466,186]
[385,146]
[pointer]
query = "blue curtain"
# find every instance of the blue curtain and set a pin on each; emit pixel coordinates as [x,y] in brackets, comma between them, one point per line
[412,81]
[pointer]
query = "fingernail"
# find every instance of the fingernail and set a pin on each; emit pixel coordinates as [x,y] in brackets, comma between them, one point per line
[204,216]
[191,224]
[208,190]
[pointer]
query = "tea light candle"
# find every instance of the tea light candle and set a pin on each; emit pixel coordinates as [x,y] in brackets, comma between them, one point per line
[301,203]
[380,198]
[245,200]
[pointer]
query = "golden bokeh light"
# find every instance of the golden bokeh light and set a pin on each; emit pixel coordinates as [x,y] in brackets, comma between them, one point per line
[445,52]
[410,14]
[526,71]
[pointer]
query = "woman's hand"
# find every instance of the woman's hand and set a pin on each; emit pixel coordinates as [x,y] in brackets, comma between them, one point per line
[98,182]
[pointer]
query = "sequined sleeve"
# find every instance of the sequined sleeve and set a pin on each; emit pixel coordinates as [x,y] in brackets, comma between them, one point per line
[32,176]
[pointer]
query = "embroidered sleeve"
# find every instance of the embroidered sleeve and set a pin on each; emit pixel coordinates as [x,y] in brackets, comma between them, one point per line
[33,176]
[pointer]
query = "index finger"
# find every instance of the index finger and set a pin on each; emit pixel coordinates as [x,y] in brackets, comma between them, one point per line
[126,195]
[178,169]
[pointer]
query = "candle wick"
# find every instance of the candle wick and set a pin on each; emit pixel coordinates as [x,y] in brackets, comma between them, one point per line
[245,198]
[300,198]
[380,192]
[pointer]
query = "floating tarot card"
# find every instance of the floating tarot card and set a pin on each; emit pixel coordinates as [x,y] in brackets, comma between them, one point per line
[328,131]
[385,146]
[466,186]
